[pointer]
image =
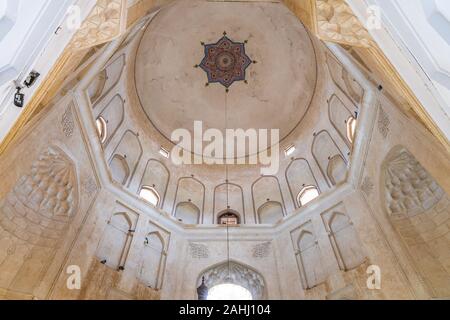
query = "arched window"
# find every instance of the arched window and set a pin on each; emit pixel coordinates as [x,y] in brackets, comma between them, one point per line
[150,195]
[307,194]
[351,129]
[229,218]
[101,129]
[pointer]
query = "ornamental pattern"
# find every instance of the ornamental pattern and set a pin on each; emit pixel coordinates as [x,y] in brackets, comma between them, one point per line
[225,62]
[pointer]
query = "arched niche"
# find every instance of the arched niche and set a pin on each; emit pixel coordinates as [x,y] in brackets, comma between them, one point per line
[228,195]
[156,176]
[267,198]
[153,260]
[120,170]
[337,169]
[188,213]
[111,75]
[344,239]
[329,157]
[235,273]
[45,199]
[309,259]
[270,212]
[116,239]
[344,81]
[298,176]
[127,155]
[340,115]
[95,88]
[417,207]
[113,116]
[190,190]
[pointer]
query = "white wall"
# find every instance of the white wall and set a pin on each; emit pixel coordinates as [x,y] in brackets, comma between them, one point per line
[415,36]
[29,40]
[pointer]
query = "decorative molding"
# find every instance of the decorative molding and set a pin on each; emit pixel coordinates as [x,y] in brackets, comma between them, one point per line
[89,187]
[198,251]
[261,250]
[235,273]
[106,22]
[408,189]
[67,122]
[335,22]
[39,209]
[383,123]
[367,186]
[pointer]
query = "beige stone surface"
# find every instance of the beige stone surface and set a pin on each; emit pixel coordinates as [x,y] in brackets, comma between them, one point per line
[65,200]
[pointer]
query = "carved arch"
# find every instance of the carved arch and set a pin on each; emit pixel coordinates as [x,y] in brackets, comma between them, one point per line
[241,275]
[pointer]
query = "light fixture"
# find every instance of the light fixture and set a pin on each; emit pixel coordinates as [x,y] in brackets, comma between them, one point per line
[164,152]
[31,79]
[19,98]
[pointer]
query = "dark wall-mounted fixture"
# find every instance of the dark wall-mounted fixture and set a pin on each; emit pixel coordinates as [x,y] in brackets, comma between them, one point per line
[31,79]
[19,98]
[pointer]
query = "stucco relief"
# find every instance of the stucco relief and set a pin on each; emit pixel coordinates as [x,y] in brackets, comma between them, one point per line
[89,187]
[336,22]
[367,186]
[198,250]
[409,189]
[106,21]
[43,202]
[383,123]
[238,274]
[67,122]
[261,250]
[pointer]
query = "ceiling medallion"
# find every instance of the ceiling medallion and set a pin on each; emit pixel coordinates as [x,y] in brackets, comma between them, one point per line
[225,62]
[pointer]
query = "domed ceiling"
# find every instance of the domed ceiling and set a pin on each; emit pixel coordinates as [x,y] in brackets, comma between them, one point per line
[247,65]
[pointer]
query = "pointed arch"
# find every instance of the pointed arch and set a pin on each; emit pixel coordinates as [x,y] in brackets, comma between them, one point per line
[188,213]
[153,260]
[234,199]
[309,259]
[241,275]
[299,175]
[129,151]
[113,115]
[323,149]
[156,175]
[116,240]
[190,190]
[267,189]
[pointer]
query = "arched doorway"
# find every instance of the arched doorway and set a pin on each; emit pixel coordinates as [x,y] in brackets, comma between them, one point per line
[233,280]
[229,291]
